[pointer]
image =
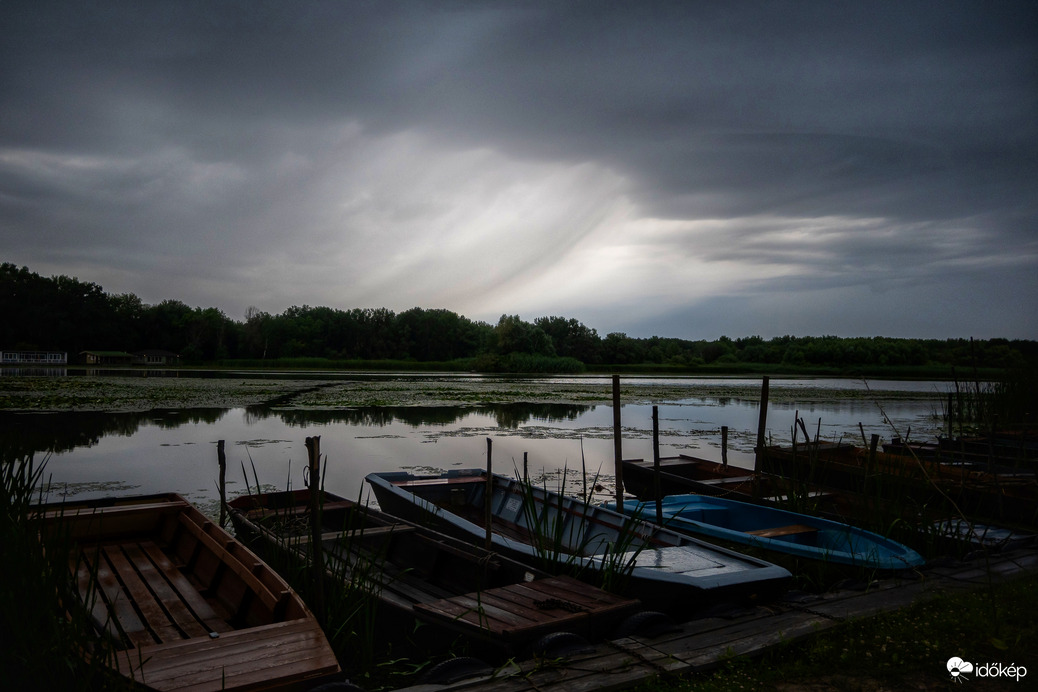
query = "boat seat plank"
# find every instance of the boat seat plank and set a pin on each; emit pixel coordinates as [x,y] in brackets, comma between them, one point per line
[171,602]
[783,531]
[260,657]
[102,618]
[188,593]
[154,617]
[119,604]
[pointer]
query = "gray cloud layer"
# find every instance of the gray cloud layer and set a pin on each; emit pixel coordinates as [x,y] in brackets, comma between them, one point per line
[684,169]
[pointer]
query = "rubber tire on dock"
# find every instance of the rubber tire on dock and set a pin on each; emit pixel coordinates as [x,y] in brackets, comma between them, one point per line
[560,645]
[647,623]
[455,669]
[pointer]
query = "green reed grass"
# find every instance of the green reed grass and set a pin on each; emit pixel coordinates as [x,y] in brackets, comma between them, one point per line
[50,640]
[561,539]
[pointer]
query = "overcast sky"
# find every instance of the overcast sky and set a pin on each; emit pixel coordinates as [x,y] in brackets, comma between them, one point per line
[686,169]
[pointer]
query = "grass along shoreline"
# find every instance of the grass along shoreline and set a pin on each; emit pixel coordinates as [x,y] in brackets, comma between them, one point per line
[905,650]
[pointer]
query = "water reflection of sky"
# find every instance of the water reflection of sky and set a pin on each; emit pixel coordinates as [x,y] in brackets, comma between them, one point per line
[94,454]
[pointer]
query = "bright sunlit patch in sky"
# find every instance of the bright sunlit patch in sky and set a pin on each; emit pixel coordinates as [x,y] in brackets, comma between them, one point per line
[665,169]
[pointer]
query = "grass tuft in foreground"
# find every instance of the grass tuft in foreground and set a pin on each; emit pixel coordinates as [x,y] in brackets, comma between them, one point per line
[49,640]
[904,650]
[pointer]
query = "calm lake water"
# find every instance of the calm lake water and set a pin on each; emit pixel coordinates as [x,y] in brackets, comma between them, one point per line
[104,454]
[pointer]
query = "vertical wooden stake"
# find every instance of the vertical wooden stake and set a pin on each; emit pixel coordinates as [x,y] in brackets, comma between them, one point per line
[762,423]
[617,443]
[526,468]
[221,457]
[313,452]
[724,446]
[488,504]
[655,465]
[873,443]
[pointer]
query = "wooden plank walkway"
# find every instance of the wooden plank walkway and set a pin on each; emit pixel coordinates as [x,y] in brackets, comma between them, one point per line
[702,644]
[520,612]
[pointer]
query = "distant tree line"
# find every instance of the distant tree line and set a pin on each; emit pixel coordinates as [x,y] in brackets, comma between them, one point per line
[62,313]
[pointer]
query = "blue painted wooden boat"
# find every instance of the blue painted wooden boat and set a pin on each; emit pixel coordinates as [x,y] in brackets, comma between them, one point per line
[778,530]
[663,568]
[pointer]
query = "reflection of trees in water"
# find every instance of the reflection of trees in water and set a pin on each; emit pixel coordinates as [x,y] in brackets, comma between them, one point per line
[22,434]
[506,415]
[30,433]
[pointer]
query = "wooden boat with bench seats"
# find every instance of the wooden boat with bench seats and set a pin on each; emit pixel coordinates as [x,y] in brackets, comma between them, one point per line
[684,473]
[664,569]
[182,603]
[417,574]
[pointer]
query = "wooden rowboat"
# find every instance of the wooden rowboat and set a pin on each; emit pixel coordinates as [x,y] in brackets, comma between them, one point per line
[684,473]
[182,603]
[664,569]
[417,574]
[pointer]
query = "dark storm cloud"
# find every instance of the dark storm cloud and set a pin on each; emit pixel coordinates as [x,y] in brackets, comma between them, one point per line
[213,145]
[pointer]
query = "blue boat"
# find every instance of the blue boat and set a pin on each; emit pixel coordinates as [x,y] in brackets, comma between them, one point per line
[778,530]
[663,568]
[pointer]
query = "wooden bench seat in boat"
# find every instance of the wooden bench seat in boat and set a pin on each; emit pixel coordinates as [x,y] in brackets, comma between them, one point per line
[184,605]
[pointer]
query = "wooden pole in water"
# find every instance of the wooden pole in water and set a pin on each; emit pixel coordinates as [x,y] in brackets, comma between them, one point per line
[488,505]
[617,443]
[724,446]
[762,421]
[655,464]
[221,458]
[313,452]
[526,467]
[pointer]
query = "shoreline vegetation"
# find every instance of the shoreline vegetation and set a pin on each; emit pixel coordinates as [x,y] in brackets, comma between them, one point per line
[66,315]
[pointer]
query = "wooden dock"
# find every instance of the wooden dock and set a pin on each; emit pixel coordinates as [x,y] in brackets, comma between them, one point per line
[702,644]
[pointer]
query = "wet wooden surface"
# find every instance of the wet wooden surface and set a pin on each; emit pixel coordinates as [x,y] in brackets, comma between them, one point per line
[702,644]
[522,611]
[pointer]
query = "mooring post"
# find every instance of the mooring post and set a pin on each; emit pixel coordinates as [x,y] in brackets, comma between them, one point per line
[873,443]
[526,467]
[488,504]
[655,465]
[762,422]
[617,443]
[724,446]
[222,459]
[313,452]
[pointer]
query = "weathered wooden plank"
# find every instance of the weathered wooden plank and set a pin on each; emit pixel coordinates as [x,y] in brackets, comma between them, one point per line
[199,606]
[269,654]
[154,577]
[103,619]
[484,612]
[155,618]
[119,602]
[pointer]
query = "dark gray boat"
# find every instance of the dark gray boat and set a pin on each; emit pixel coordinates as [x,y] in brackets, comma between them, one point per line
[663,568]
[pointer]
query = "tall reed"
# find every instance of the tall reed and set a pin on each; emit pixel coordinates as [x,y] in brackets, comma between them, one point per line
[50,641]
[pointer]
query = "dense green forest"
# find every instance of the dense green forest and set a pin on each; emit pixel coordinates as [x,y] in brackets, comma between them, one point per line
[62,313]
